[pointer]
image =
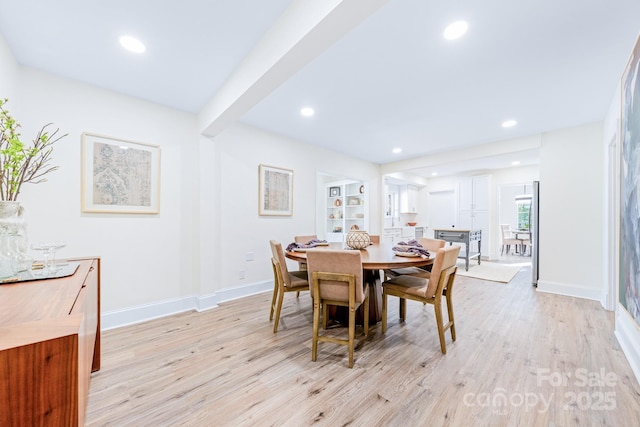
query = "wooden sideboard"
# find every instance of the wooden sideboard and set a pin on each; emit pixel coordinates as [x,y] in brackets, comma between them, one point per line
[49,345]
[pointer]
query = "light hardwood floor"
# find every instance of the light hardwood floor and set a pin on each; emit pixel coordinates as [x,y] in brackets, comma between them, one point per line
[522,358]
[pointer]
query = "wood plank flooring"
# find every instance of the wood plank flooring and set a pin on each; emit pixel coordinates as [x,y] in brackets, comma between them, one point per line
[521,358]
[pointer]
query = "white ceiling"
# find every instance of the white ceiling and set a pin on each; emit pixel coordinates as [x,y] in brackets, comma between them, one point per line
[390,81]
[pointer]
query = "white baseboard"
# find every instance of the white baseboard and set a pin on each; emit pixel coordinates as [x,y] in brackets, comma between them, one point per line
[132,315]
[628,334]
[570,290]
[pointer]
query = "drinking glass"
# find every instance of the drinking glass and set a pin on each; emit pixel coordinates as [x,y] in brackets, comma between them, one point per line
[48,252]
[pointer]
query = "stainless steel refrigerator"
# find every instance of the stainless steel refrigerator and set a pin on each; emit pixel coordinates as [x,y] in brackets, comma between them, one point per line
[535,232]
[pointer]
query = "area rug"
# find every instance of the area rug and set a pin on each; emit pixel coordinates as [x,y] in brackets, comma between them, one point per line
[492,271]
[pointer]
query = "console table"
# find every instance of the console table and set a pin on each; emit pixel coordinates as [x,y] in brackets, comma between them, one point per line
[49,345]
[461,236]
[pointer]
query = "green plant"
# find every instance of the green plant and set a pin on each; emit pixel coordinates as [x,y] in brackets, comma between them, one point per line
[20,163]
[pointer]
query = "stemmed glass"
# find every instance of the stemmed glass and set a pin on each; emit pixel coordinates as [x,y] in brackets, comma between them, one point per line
[48,251]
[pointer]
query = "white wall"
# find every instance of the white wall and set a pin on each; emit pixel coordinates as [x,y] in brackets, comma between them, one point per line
[571,212]
[8,72]
[230,225]
[146,259]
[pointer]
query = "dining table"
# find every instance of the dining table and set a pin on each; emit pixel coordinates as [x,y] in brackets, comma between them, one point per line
[375,257]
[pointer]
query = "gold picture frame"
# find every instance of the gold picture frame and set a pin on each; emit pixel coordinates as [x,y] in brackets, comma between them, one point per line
[119,176]
[275,191]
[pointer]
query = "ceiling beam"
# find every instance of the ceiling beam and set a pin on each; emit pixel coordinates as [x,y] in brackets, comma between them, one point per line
[303,32]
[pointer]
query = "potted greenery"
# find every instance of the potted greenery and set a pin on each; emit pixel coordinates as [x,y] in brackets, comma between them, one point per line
[20,162]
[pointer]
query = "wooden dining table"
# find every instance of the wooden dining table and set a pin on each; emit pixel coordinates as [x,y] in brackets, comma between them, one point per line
[376,257]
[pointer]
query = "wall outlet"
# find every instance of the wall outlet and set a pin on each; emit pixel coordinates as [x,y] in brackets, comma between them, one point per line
[249,256]
[241,274]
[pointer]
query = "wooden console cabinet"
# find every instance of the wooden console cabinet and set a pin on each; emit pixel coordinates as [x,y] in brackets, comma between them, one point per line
[49,345]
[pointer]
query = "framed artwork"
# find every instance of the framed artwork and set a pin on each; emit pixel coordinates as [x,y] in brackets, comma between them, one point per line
[629,295]
[119,176]
[334,191]
[275,192]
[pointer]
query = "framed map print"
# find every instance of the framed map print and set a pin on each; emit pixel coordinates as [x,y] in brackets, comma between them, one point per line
[275,191]
[119,176]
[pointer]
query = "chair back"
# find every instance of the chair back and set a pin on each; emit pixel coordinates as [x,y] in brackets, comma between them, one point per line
[278,256]
[374,238]
[445,259]
[304,239]
[336,261]
[432,245]
[506,231]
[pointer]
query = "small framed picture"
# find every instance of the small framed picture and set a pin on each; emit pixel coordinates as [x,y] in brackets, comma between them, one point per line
[334,191]
[275,191]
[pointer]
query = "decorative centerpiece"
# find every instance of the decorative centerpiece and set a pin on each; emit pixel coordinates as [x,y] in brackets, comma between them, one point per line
[19,163]
[358,239]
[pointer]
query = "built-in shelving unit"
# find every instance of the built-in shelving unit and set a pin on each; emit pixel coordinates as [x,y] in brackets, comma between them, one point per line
[346,206]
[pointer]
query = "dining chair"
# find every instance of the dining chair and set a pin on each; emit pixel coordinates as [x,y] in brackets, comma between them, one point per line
[374,238]
[336,278]
[508,239]
[432,245]
[283,281]
[429,291]
[524,244]
[304,239]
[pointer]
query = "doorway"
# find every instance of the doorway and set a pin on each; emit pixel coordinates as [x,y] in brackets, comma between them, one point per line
[515,203]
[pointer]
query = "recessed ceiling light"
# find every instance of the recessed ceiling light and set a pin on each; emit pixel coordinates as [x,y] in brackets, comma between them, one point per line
[515,163]
[456,30]
[509,124]
[434,173]
[307,111]
[132,44]
[397,150]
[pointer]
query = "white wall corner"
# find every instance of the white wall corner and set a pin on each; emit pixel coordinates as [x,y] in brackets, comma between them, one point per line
[627,332]
[206,302]
[570,290]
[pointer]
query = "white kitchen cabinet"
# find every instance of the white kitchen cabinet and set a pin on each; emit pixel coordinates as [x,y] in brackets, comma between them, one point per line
[409,199]
[473,204]
[473,193]
[391,236]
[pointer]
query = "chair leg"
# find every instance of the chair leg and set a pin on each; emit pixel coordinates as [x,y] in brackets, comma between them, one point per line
[384,311]
[403,309]
[450,314]
[297,294]
[316,325]
[324,316]
[278,309]
[438,310]
[273,300]
[366,316]
[352,333]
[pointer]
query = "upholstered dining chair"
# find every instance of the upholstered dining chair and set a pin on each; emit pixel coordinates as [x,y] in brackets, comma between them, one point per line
[508,239]
[283,281]
[336,278]
[429,291]
[374,238]
[432,246]
[304,239]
